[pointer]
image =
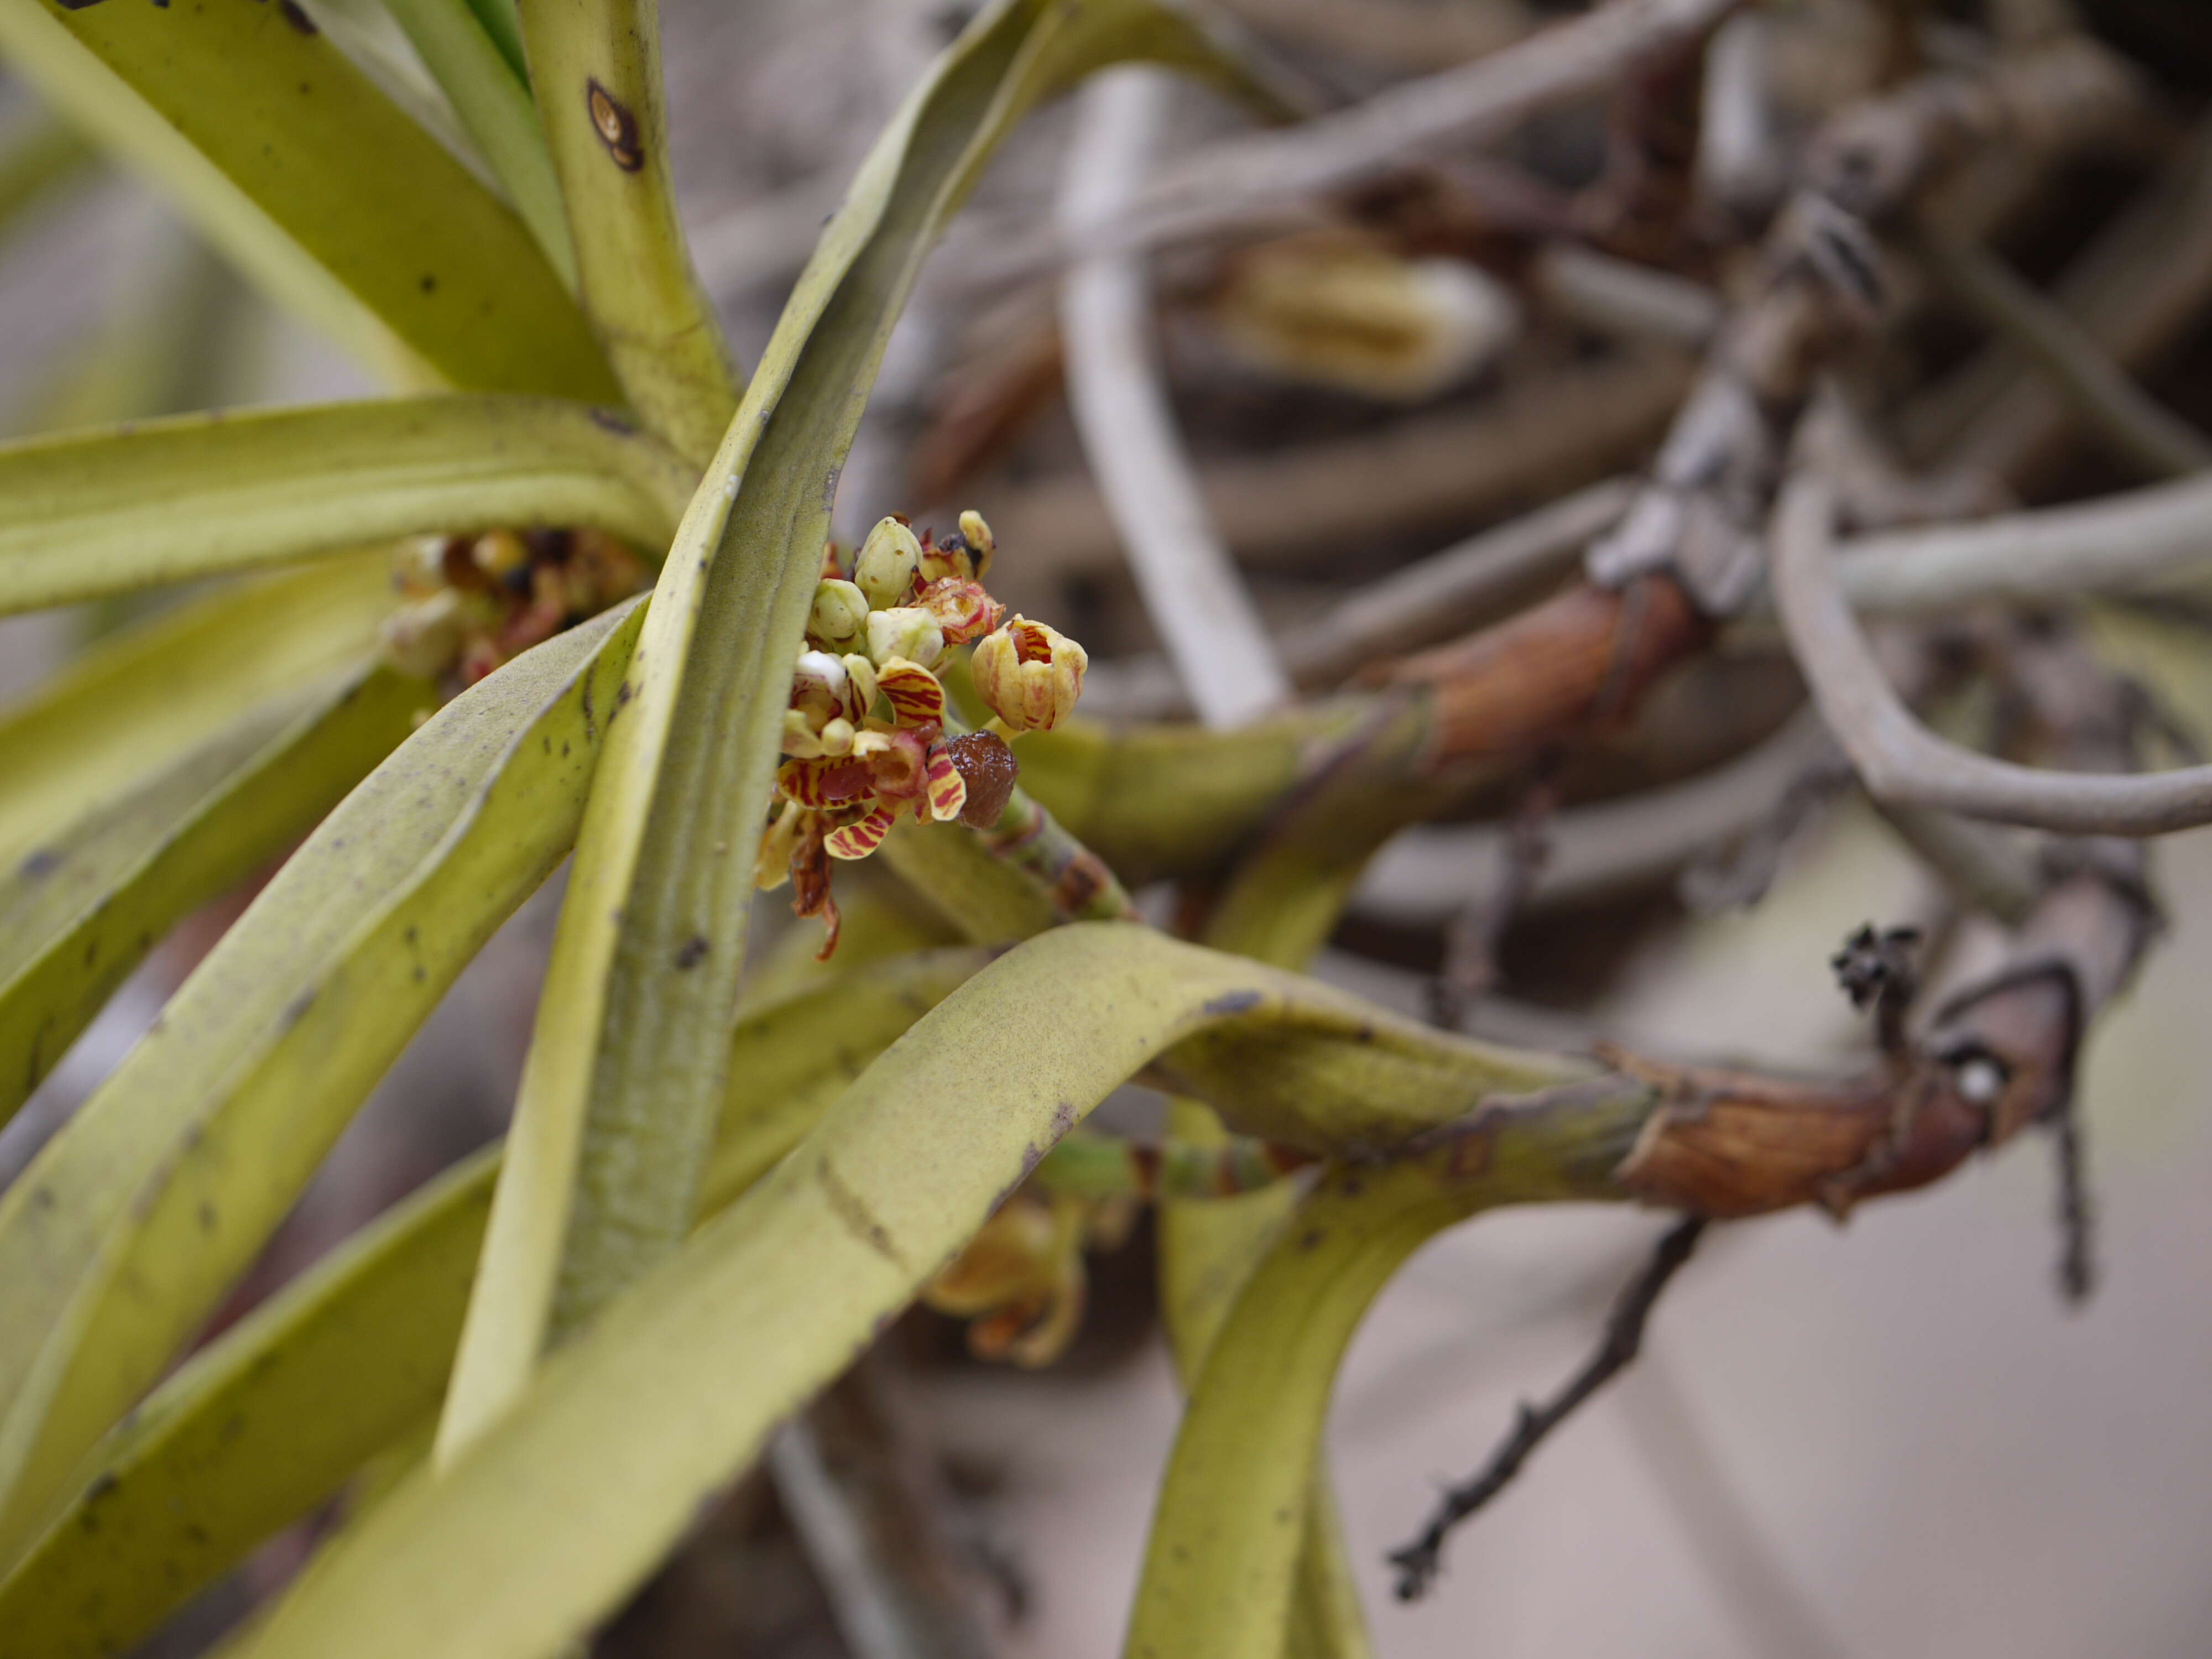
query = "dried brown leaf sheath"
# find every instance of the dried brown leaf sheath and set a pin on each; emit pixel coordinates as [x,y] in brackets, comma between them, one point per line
[1733,1143]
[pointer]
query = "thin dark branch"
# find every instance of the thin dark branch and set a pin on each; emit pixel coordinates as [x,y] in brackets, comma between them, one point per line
[2136,425]
[1419,1562]
[2077,1272]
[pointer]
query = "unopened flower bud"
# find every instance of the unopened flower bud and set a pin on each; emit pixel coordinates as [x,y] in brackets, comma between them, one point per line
[1030,675]
[888,561]
[962,611]
[906,631]
[977,535]
[839,620]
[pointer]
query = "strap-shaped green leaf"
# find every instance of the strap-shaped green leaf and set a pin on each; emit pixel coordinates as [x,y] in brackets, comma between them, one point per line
[92,514]
[491,94]
[268,1422]
[81,911]
[596,68]
[131,705]
[626,1066]
[1223,1559]
[132,1223]
[249,92]
[543,1522]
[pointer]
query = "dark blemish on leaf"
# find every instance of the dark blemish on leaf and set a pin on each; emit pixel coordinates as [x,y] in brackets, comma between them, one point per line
[853,1210]
[207,1216]
[427,283]
[298,19]
[1230,1003]
[608,420]
[92,950]
[77,5]
[43,1197]
[297,1011]
[591,725]
[622,693]
[1032,1155]
[419,975]
[691,952]
[1311,1238]
[102,1487]
[616,126]
[41,865]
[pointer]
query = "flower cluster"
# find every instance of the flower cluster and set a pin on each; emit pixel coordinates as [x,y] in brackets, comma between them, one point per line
[868,734]
[472,602]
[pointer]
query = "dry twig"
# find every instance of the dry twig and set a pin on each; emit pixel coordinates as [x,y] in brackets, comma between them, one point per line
[1420,1561]
[1192,592]
[1246,182]
[1898,758]
[2134,425]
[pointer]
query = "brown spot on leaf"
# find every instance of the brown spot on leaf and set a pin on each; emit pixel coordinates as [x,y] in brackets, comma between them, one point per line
[616,126]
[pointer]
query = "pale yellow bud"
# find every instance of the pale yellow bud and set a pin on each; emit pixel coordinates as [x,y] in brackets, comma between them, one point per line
[889,559]
[1029,675]
[906,631]
[840,617]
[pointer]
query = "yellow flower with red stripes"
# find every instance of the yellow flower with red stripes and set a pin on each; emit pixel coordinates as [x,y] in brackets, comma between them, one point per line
[869,733]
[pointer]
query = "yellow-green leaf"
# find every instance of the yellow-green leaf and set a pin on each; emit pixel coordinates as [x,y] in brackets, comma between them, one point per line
[626,1066]
[491,94]
[135,1218]
[271,1418]
[596,68]
[92,514]
[1222,1561]
[256,121]
[81,910]
[543,1522]
[130,706]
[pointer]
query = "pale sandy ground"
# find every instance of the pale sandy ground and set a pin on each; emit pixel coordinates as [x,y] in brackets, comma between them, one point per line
[1938,1458]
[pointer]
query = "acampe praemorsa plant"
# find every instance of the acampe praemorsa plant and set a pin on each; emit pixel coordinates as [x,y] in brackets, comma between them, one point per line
[617,633]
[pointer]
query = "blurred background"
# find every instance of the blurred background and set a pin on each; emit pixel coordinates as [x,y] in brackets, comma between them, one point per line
[1890,1438]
